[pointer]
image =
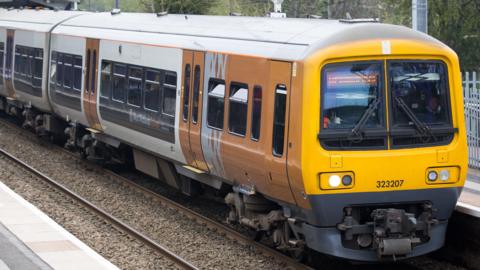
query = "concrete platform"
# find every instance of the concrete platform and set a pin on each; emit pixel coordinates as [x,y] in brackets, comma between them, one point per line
[30,240]
[469,201]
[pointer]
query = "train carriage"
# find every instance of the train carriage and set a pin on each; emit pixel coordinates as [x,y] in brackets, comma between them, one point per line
[24,46]
[344,137]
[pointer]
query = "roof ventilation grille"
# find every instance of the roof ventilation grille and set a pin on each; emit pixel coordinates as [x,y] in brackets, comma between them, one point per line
[363,20]
[163,13]
[116,11]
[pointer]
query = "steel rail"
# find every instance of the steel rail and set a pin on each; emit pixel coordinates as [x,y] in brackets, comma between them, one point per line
[230,233]
[111,219]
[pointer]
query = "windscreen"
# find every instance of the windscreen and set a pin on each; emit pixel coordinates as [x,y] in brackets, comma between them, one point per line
[349,89]
[422,86]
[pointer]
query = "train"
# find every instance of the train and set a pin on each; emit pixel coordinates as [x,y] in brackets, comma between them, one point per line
[341,137]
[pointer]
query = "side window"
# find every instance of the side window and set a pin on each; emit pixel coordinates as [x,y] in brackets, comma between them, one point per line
[186,92]
[279,120]
[238,109]
[216,103]
[196,93]
[38,68]
[169,93]
[2,57]
[256,112]
[60,71]
[77,74]
[67,71]
[119,82]
[94,73]
[28,55]
[87,77]
[53,70]
[152,90]
[106,80]
[135,86]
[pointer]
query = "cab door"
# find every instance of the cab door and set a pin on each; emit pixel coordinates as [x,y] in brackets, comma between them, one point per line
[91,79]
[191,112]
[279,87]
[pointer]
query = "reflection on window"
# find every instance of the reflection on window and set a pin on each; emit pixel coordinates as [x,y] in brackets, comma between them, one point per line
[279,120]
[119,82]
[152,90]
[237,117]
[347,92]
[186,92]
[135,86]
[196,93]
[68,71]
[77,74]
[256,112]
[423,88]
[2,56]
[106,81]
[169,93]
[215,104]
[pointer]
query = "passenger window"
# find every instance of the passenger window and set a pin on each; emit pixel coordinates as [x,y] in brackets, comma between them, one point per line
[279,120]
[60,71]
[67,71]
[135,86]
[94,73]
[53,70]
[38,67]
[2,56]
[237,116]
[169,93]
[216,103]
[186,92]
[77,74]
[196,93]
[106,80]
[256,112]
[119,82]
[152,90]
[87,78]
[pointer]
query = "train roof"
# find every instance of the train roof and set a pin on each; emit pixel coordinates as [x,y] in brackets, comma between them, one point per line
[34,19]
[275,38]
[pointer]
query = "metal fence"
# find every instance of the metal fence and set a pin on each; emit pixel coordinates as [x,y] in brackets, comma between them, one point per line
[471,94]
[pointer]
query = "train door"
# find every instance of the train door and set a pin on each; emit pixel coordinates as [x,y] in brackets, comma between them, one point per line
[9,63]
[91,79]
[191,112]
[277,138]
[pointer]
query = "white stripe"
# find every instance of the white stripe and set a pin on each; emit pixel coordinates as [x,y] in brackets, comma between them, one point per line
[386,47]
[468,209]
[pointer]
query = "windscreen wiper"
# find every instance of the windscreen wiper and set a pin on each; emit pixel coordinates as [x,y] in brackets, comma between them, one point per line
[422,128]
[356,132]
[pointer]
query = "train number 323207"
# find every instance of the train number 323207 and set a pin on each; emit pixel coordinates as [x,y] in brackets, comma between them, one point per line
[389,183]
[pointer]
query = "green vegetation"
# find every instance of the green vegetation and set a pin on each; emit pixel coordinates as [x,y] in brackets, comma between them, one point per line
[455,22]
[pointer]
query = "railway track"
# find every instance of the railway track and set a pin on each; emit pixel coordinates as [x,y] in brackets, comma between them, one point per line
[106,216]
[230,233]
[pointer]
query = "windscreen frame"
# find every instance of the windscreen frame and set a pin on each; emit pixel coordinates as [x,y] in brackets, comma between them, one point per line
[446,128]
[379,133]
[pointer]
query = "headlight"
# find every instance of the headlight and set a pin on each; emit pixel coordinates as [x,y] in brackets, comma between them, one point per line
[444,175]
[432,176]
[347,180]
[334,180]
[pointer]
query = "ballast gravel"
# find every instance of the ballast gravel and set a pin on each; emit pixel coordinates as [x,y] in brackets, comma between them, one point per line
[196,243]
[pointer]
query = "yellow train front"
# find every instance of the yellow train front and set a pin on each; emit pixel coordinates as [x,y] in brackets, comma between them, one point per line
[384,153]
